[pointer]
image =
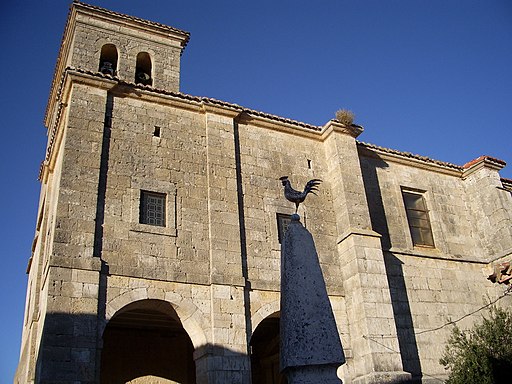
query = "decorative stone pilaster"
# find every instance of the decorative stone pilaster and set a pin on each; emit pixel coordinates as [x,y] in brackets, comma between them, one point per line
[489,202]
[376,354]
[223,215]
[217,365]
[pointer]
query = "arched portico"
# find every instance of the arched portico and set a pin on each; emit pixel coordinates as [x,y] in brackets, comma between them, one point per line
[265,351]
[146,339]
[191,318]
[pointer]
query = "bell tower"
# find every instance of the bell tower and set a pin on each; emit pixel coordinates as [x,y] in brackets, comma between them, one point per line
[102,54]
[132,49]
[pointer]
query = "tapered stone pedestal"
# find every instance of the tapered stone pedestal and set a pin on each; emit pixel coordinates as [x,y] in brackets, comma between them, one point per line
[310,349]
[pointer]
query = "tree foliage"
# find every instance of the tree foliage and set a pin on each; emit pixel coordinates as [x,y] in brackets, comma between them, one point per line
[482,354]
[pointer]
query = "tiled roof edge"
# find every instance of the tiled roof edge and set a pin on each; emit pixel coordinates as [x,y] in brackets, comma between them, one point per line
[212,101]
[507,183]
[206,100]
[133,18]
[489,159]
[410,155]
[57,63]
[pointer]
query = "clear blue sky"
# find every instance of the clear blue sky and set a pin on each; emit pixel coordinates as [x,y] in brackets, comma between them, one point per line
[428,77]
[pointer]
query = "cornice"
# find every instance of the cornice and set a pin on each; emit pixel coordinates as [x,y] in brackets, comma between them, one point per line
[409,159]
[507,184]
[336,126]
[482,162]
[132,20]
[258,118]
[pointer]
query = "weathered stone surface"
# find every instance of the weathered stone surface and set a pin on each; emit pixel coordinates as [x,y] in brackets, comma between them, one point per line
[309,336]
[216,262]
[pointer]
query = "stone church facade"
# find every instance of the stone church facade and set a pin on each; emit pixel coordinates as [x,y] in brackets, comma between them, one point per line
[156,255]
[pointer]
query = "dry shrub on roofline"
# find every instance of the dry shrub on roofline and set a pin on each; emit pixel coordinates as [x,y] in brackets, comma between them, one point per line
[345,117]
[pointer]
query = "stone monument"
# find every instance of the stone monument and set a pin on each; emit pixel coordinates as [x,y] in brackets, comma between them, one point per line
[310,349]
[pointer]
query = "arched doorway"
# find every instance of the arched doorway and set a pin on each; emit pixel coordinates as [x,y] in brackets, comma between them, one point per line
[145,343]
[265,352]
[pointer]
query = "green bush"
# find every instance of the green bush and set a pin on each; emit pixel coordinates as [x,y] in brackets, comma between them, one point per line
[483,354]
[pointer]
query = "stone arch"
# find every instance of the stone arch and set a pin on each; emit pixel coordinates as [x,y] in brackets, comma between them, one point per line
[265,350]
[145,340]
[189,314]
[263,312]
[108,59]
[144,69]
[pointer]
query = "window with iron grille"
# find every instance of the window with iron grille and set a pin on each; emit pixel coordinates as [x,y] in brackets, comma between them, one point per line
[417,216]
[152,208]
[283,221]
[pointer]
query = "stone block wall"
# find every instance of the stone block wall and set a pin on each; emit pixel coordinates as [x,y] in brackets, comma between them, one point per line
[278,154]
[216,262]
[452,220]
[430,287]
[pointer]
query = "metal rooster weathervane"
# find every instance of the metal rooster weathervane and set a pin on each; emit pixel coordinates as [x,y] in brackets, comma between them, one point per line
[298,197]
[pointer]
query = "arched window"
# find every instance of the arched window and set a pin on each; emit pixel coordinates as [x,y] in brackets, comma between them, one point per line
[108,59]
[143,69]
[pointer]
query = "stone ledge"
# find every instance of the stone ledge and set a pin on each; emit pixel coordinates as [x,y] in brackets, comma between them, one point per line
[86,263]
[359,232]
[394,377]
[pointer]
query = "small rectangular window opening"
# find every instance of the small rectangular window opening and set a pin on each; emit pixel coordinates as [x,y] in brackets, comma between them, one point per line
[152,208]
[156,132]
[418,219]
[309,164]
[283,221]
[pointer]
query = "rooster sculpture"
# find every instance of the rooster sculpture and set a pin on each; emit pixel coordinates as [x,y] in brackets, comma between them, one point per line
[298,197]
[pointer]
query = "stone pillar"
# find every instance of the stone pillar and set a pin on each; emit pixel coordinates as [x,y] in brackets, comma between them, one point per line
[376,353]
[310,348]
[218,365]
[68,350]
[223,213]
[228,302]
[490,204]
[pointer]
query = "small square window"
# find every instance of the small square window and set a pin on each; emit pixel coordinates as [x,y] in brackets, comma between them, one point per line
[152,208]
[283,221]
[418,219]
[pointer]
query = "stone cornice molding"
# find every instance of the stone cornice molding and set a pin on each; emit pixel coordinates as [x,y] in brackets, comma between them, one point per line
[336,126]
[221,110]
[409,160]
[174,35]
[435,254]
[256,118]
[249,117]
[357,232]
[482,162]
[506,184]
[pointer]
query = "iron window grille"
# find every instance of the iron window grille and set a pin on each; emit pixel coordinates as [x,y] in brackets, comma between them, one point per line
[283,221]
[152,208]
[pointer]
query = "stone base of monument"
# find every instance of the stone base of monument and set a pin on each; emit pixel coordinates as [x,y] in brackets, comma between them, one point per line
[313,374]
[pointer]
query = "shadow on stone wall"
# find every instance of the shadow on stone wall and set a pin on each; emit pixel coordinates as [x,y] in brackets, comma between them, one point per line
[403,317]
[394,271]
[68,353]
